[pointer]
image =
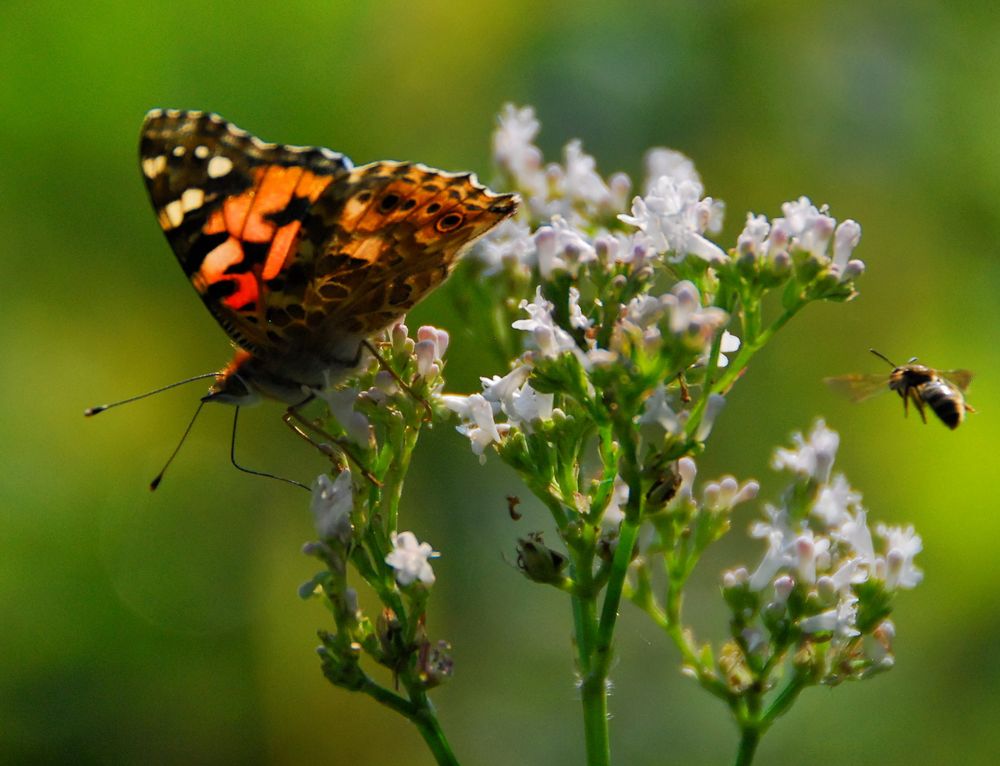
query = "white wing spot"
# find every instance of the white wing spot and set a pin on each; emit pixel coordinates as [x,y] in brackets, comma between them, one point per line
[153,166]
[175,213]
[192,199]
[179,151]
[219,166]
[201,152]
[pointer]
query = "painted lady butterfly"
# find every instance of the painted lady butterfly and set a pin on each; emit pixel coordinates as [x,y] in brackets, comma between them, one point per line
[299,256]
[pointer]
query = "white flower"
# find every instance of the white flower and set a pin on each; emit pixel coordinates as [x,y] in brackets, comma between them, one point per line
[754,235]
[813,457]
[331,505]
[835,501]
[501,390]
[341,403]
[429,350]
[657,410]
[774,559]
[839,621]
[513,147]
[730,344]
[845,239]
[901,546]
[687,316]
[560,247]
[479,427]
[527,405]
[712,409]
[551,339]
[614,514]
[576,317]
[858,537]
[727,493]
[669,162]
[674,216]
[582,183]
[510,243]
[410,559]
[688,470]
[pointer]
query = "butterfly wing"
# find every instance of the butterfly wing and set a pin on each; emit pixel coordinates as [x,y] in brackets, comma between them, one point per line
[961,378]
[395,232]
[297,255]
[232,208]
[858,387]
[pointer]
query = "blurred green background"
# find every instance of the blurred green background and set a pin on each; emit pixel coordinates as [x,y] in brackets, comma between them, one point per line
[165,628]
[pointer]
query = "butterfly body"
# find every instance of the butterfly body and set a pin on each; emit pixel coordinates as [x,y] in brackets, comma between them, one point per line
[298,255]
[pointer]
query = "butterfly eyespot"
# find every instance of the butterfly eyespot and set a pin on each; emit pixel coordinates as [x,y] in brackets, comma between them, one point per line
[409,204]
[389,201]
[433,208]
[364,196]
[449,222]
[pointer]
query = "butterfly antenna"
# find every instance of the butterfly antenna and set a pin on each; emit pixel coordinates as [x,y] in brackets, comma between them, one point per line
[882,356]
[232,459]
[90,411]
[385,366]
[159,477]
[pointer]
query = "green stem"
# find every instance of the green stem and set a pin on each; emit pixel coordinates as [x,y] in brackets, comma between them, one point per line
[749,739]
[736,367]
[420,713]
[593,687]
[784,700]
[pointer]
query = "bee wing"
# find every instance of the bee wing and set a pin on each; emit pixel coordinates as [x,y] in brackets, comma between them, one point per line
[961,378]
[856,387]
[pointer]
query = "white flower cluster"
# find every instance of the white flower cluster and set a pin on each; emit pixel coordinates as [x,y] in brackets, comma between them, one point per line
[670,218]
[573,190]
[806,228]
[827,548]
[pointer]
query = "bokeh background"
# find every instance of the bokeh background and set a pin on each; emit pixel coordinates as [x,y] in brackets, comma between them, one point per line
[165,628]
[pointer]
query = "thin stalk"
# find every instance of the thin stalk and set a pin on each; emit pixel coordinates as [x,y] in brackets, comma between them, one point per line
[749,739]
[593,689]
[736,367]
[419,712]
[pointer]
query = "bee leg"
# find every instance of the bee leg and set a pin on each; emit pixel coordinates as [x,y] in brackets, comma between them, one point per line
[968,407]
[906,404]
[919,404]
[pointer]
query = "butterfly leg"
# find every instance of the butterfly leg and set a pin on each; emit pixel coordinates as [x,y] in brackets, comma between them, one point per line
[330,444]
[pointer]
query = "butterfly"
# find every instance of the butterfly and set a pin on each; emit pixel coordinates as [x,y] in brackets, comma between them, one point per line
[298,255]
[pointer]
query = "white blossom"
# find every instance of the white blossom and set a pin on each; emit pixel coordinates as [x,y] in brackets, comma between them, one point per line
[551,339]
[674,216]
[509,244]
[479,425]
[835,501]
[712,409]
[331,505]
[902,544]
[561,247]
[341,403]
[669,162]
[840,621]
[411,559]
[812,457]
[657,410]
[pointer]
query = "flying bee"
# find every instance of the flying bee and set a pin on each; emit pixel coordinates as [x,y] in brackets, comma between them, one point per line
[941,390]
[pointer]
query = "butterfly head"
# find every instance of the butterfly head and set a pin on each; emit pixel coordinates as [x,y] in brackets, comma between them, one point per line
[234,385]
